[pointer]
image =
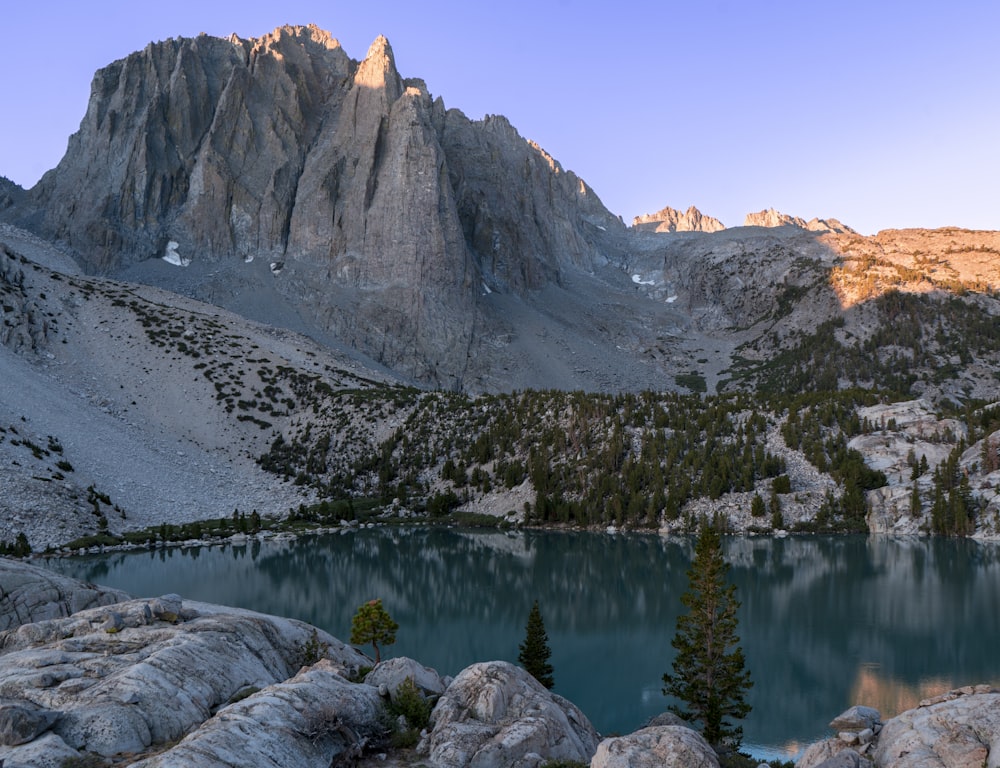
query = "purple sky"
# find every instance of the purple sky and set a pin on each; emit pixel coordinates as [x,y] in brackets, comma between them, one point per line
[880,113]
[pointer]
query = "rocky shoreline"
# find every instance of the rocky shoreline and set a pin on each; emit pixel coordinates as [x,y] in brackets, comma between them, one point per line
[88,673]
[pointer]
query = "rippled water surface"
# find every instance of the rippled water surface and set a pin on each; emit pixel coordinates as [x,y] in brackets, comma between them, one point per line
[825,622]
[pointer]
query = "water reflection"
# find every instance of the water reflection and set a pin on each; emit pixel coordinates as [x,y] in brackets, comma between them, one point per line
[826,621]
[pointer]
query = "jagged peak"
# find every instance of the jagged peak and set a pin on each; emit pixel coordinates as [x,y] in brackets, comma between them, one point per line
[773,218]
[379,65]
[672,220]
[308,36]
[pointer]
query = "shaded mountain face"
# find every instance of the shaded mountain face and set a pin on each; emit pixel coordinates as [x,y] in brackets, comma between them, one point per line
[383,216]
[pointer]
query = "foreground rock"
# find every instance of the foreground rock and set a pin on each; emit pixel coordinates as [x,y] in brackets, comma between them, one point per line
[313,719]
[392,673]
[665,746]
[168,682]
[959,729]
[29,594]
[154,672]
[496,715]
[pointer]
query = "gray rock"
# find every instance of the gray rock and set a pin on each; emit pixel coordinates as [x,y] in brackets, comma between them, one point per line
[816,754]
[47,751]
[664,746]
[30,594]
[316,718]
[857,718]
[958,732]
[667,718]
[150,684]
[165,608]
[496,715]
[845,758]
[113,623]
[21,721]
[391,673]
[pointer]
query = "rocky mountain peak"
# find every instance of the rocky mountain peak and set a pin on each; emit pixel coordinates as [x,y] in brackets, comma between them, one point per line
[378,69]
[672,220]
[773,218]
[310,37]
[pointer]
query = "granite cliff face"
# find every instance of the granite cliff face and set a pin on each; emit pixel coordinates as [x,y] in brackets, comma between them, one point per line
[382,215]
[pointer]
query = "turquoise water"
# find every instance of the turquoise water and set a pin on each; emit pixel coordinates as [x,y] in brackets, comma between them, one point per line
[825,622]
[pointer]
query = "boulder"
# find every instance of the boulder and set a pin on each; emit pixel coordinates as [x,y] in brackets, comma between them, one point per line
[845,758]
[152,681]
[957,730]
[664,746]
[821,753]
[667,718]
[47,751]
[21,722]
[855,729]
[29,593]
[857,726]
[392,672]
[496,715]
[856,719]
[316,718]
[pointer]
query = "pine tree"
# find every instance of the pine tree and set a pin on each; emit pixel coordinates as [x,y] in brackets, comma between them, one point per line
[373,624]
[534,651]
[708,675]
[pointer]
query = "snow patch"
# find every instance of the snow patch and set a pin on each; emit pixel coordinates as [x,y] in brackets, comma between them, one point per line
[637,279]
[248,258]
[487,289]
[171,256]
[276,267]
[671,299]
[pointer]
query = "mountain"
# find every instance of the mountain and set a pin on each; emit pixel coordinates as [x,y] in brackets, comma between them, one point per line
[671,220]
[773,218]
[262,259]
[280,179]
[380,217]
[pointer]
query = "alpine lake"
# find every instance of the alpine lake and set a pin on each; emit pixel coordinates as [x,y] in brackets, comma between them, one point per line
[825,621]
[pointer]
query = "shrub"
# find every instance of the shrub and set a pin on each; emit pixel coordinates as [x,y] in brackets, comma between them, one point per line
[782,484]
[411,704]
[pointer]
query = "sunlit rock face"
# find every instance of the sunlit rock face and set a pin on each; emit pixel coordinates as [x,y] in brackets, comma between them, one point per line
[671,220]
[772,218]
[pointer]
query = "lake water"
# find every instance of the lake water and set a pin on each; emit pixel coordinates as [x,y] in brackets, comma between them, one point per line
[825,622]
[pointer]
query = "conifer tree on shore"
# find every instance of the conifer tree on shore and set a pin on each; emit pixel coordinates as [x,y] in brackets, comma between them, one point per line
[534,651]
[708,671]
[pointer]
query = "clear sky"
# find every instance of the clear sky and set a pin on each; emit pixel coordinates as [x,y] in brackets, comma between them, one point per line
[881,113]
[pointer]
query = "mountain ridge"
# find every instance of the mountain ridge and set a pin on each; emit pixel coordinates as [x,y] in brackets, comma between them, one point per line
[418,253]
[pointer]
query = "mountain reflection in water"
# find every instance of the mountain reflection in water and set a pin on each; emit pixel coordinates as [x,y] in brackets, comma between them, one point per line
[825,622]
